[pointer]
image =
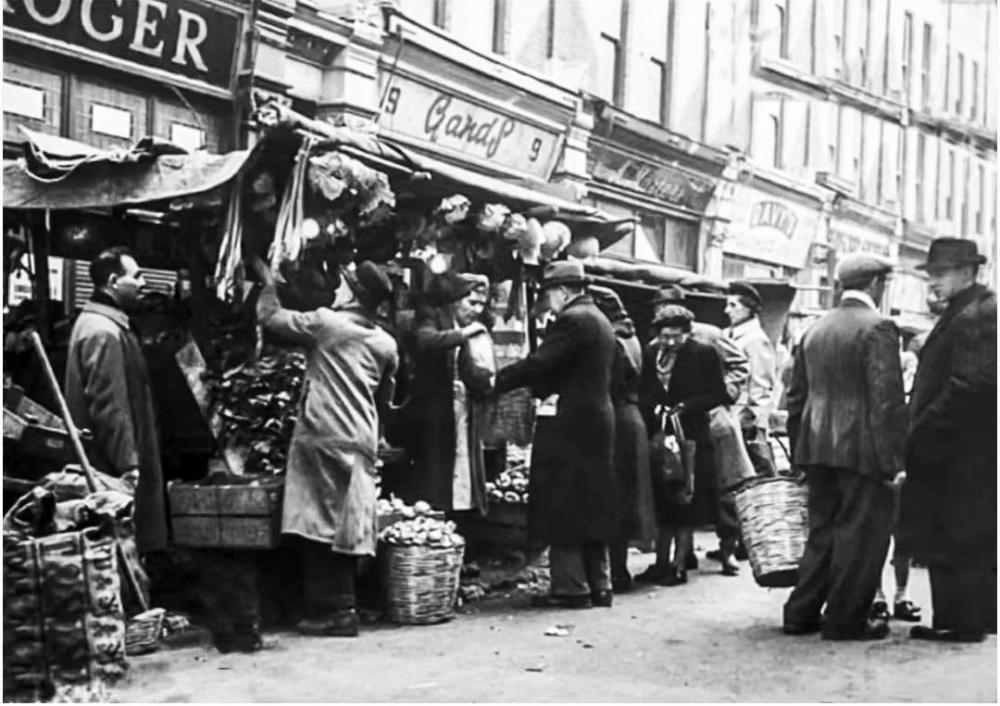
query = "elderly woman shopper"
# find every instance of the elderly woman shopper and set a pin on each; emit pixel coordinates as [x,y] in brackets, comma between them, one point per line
[453,371]
[635,493]
[683,377]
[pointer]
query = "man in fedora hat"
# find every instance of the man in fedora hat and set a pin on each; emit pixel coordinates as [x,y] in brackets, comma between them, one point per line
[330,491]
[753,408]
[949,502]
[846,424]
[572,491]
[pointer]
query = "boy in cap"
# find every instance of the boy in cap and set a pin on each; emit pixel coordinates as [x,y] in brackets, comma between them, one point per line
[330,490]
[846,424]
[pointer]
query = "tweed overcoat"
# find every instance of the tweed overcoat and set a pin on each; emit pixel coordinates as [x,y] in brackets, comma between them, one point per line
[949,500]
[108,392]
[572,487]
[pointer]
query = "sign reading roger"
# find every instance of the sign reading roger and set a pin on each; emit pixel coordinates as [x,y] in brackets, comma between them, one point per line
[771,229]
[184,37]
[454,124]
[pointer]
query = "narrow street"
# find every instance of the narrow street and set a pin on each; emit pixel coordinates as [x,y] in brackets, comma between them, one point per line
[715,639]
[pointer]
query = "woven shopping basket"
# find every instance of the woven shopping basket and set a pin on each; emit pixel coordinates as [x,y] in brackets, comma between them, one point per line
[421,582]
[774,519]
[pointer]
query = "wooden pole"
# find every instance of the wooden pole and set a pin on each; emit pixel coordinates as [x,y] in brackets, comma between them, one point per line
[40,249]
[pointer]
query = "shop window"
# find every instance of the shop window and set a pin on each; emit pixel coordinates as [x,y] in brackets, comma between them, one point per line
[186,136]
[680,243]
[107,120]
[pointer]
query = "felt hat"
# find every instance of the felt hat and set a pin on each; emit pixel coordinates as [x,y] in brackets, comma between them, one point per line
[745,290]
[369,284]
[858,267]
[563,272]
[448,288]
[952,252]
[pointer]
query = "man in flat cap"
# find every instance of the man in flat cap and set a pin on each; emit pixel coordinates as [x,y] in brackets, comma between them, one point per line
[847,425]
[743,306]
[573,502]
[948,519]
[330,490]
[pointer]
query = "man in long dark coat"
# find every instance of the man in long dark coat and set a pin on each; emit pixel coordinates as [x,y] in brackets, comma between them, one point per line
[949,507]
[108,392]
[572,503]
[847,424]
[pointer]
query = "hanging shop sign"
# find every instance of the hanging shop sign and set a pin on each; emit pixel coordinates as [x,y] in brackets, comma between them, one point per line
[771,229]
[656,181]
[194,39]
[451,123]
[849,237]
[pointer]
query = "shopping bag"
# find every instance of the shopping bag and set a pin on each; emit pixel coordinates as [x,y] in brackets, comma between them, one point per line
[671,460]
[732,462]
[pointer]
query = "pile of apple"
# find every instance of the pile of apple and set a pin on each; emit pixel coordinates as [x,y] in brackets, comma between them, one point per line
[511,486]
[420,528]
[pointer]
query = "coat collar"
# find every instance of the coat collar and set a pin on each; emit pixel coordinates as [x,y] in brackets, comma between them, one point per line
[854,297]
[955,305]
[746,328]
[110,312]
[579,300]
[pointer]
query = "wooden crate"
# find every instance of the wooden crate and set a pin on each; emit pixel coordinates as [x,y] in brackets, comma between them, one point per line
[226,516]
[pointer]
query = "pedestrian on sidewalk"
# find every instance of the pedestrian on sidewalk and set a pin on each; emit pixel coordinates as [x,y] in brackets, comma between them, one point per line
[847,424]
[330,489]
[635,491]
[685,377]
[949,501]
[736,374]
[753,408]
[572,503]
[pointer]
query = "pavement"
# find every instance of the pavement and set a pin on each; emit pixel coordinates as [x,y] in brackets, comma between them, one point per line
[715,639]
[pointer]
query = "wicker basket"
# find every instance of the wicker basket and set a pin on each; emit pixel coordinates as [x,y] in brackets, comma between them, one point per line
[142,632]
[774,519]
[421,583]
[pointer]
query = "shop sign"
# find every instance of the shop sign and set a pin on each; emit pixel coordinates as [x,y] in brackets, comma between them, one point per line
[184,37]
[657,181]
[449,122]
[771,229]
[849,238]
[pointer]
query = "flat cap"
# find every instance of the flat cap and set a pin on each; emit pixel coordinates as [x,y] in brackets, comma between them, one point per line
[861,266]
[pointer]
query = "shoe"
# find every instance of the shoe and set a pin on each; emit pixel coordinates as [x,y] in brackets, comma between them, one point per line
[343,623]
[741,552]
[691,562]
[922,632]
[247,638]
[652,574]
[871,630]
[730,567]
[879,611]
[801,628]
[622,584]
[714,555]
[906,610]
[601,599]
[553,601]
[673,578]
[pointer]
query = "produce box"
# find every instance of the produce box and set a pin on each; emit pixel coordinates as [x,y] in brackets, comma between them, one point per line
[235,516]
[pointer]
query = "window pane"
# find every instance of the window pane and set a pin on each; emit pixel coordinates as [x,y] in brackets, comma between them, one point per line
[111,121]
[646,92]
[471,21]
[420,10]
[607,63]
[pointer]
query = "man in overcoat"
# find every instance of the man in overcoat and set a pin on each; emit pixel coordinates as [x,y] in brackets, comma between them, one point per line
[847,425]
[330,484]
[108,391]
[949,503]
[573,504]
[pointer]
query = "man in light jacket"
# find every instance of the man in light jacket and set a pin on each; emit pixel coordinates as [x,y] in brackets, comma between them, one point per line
[108,392]
[847,424]
[753,408]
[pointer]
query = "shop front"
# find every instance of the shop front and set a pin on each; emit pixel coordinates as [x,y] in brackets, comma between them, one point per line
[849,235]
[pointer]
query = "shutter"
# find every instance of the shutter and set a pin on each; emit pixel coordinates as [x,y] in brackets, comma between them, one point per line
[161,281]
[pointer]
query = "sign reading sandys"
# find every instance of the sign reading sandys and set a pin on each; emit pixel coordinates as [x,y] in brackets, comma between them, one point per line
[180,36]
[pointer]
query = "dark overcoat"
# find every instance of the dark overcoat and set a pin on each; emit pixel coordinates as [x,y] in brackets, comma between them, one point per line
[108,392]
[437,352]
[949,500]
[846,407]
[697,381]
[572,488]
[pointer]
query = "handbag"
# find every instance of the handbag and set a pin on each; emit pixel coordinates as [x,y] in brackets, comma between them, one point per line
[732,462]
[671,461]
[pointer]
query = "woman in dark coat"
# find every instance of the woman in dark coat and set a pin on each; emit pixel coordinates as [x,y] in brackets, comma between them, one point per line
[443,368]
[686,377]
[635,492]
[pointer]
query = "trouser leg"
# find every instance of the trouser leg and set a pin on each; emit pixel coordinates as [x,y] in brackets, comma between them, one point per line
[959,596]
[618,552]
[684,545]
[569,577]
[807,599]
[597,566]
[862,530]
[328,578]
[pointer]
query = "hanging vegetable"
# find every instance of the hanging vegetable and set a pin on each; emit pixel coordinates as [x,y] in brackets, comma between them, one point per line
[557,238]
[347,181]
[229,273]
[492,218]
[289,238]
[453,209]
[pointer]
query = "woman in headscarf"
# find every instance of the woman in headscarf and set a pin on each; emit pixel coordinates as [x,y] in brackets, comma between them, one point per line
[684,377]
[635,492]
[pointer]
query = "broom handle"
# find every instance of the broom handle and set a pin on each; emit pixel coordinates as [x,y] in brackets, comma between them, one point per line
[81,454]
